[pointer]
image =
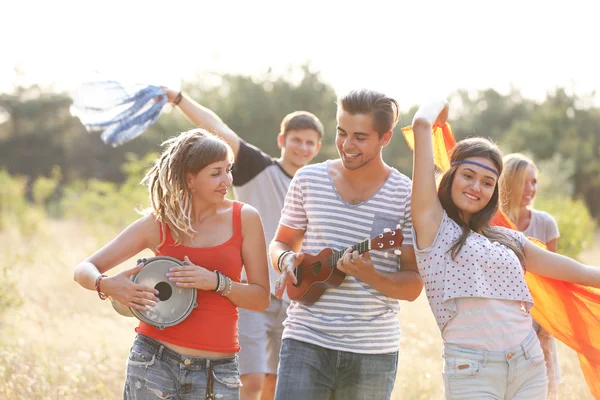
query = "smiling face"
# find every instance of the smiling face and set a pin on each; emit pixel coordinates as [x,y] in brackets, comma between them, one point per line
[357,142]
[473,186]
[211,183]
[299,146]
[529,186]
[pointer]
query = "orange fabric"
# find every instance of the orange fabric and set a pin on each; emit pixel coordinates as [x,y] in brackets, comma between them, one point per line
[443,143]
[569,312]
[213,325]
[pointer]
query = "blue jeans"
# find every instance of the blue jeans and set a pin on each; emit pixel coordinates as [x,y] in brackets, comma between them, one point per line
[515,373]
[308,371]
[157,372]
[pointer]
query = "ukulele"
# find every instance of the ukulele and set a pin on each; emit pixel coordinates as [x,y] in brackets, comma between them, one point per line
[317,273]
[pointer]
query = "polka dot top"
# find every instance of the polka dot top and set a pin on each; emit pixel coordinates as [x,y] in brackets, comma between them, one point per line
[481,269]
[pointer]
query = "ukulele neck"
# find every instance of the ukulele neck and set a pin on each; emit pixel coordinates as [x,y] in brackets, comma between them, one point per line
[361,247]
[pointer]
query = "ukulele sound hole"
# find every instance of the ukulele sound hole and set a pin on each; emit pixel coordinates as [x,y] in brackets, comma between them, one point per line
[316,268]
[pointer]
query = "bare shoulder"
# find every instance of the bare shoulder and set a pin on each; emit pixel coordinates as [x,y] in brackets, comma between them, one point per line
[149,226]
[249,213]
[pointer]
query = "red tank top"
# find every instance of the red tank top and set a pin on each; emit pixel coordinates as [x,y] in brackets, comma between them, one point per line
[213,325]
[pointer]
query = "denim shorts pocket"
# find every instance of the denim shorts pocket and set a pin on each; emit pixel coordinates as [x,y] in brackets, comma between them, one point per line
[456,368]
[228,375]
[536,356]
[139,356]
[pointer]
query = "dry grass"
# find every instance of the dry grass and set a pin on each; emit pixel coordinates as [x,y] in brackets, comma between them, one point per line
[64,343]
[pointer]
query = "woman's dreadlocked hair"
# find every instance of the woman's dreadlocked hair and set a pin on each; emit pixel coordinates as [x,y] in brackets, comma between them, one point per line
[170,197]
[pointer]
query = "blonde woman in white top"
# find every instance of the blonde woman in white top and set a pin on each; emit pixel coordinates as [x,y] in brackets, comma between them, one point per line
[518,187]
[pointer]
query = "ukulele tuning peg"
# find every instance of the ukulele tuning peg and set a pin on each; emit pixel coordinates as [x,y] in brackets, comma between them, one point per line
[387,230]
[397,252]
[398,226]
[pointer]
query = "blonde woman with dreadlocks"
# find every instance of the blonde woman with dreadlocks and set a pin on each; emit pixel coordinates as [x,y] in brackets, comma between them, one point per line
[193,221]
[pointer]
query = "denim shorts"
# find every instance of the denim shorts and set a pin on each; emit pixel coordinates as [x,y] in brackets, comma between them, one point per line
[310,372]
[515,373]
[157,372]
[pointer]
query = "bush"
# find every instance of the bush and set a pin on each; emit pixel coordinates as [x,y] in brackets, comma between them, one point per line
[107,203]
[575,223]
[15,211]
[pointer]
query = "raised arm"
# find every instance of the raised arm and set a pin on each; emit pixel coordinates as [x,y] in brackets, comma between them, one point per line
[205,118]
[427,211]
[556,266]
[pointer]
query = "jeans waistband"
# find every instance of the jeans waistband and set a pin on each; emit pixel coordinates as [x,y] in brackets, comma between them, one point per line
[187,360]
[522,349]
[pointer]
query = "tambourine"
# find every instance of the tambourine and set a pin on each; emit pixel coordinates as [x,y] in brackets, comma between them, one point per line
[175,304]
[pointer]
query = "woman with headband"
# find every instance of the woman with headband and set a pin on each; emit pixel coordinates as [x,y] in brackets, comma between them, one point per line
[473,273]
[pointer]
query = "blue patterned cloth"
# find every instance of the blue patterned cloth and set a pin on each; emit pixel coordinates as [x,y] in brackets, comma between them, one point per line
[121,113]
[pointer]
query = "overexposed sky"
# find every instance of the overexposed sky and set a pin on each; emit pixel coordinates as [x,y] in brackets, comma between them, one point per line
[409,49]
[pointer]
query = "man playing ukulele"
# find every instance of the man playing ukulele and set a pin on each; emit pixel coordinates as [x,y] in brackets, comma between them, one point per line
[345,345]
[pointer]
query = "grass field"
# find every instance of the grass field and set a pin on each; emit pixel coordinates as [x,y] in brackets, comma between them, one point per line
[64,343]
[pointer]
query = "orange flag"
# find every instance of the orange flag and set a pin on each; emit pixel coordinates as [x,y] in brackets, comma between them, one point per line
[569,312]
[443,143]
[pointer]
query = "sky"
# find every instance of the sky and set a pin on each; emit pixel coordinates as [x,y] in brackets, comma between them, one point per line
[410,50]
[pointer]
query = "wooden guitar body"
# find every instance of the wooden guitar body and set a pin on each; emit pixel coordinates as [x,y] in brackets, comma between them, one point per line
[314,275]
[318,272]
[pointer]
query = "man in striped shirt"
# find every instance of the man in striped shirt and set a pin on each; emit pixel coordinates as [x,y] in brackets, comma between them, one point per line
[345,345]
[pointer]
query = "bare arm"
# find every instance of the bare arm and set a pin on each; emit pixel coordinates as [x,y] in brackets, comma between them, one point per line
[206,118]
[426,209]
[552,245]
[256,294]
[405,284]
[286,239]
[142,234]
[556,266]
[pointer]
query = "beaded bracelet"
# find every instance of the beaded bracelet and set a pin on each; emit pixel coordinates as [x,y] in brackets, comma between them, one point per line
[229,286]
[280,259]
[225,286]
[97,286]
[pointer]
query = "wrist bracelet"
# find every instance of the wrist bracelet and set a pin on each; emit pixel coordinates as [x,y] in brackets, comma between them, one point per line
[177,99]
[97,286]
[280,259]
[229,286]
[218,281]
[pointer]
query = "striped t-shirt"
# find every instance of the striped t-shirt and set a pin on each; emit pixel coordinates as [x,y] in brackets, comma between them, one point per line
[353,317]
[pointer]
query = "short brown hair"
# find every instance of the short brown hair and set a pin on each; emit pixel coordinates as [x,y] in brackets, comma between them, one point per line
[299,120]
[382,108]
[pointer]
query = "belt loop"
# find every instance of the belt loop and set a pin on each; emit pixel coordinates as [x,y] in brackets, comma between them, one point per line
[160,350]
[485,358]
[525,351]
